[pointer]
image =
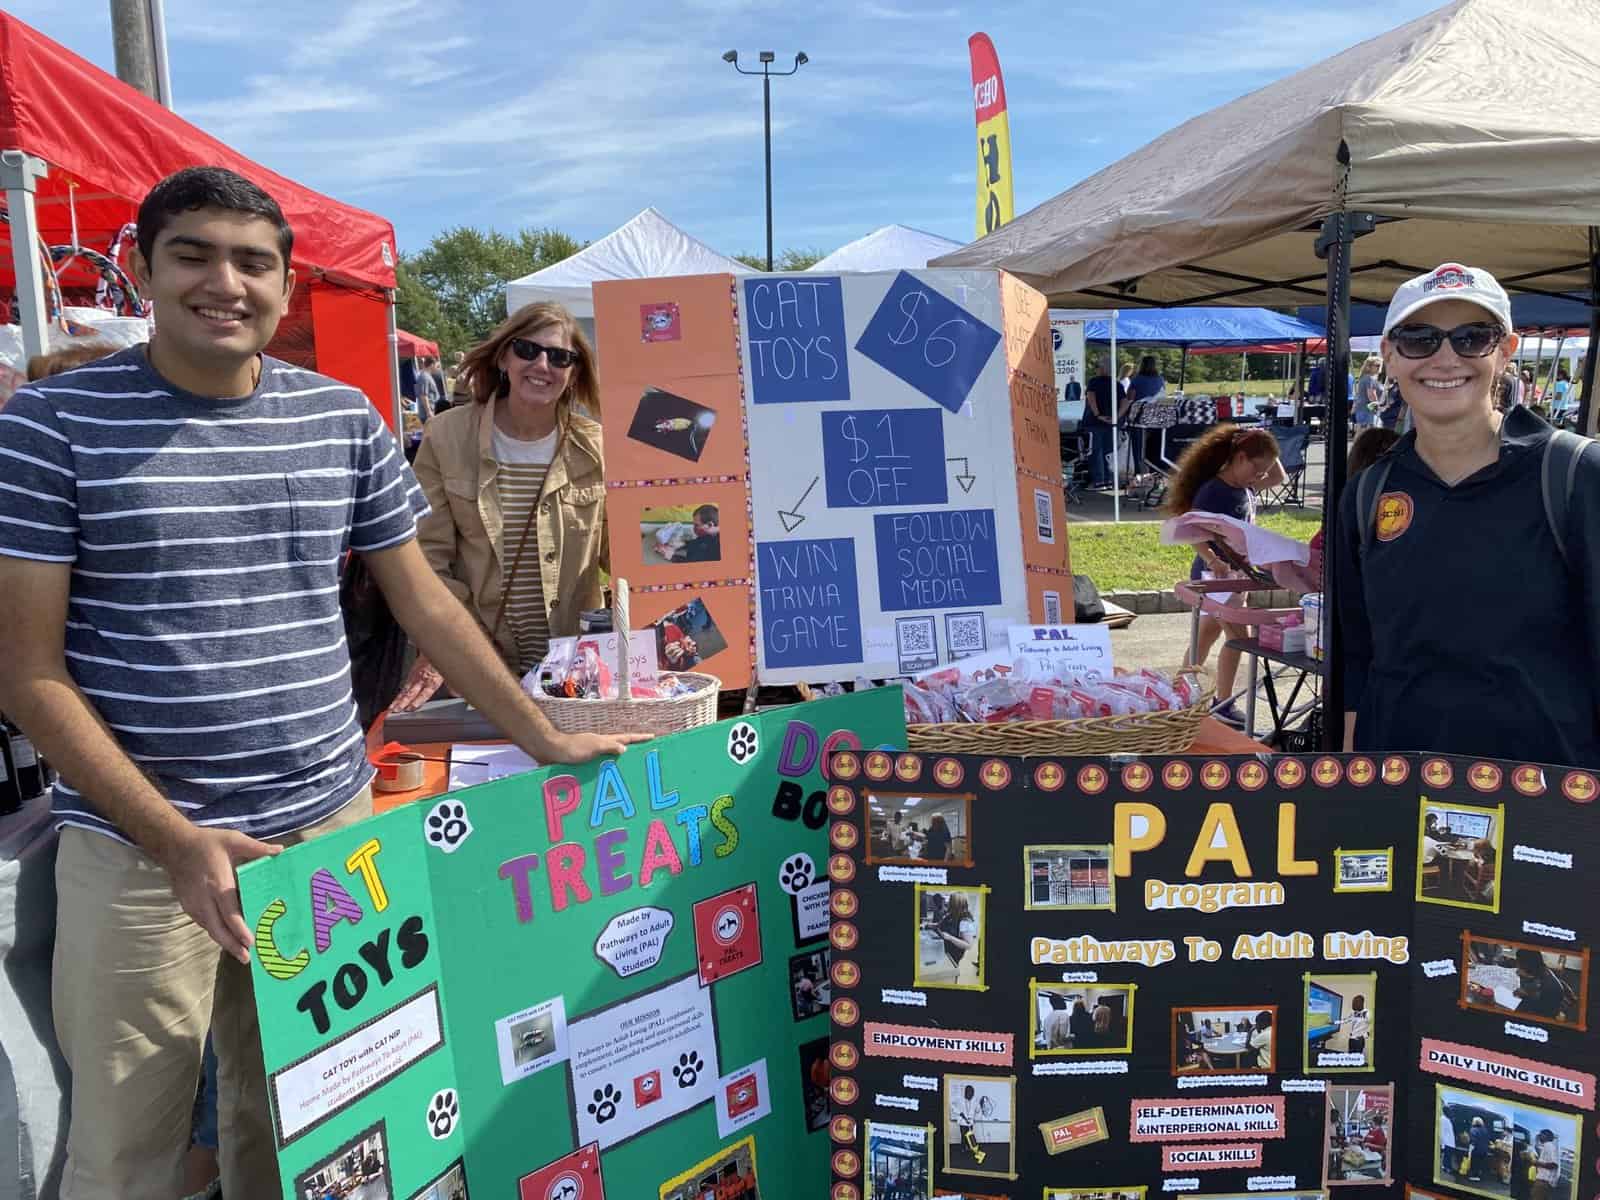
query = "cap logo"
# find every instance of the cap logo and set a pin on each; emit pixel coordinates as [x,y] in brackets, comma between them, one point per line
[1449,277]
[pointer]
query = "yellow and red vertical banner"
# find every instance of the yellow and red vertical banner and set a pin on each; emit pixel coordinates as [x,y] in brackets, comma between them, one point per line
[994,136]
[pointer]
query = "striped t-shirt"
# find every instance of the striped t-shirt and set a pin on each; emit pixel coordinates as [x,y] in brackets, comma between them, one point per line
[206,537]
[521,467]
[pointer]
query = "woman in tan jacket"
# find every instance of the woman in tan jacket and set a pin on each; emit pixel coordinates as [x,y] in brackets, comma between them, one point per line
[517,484]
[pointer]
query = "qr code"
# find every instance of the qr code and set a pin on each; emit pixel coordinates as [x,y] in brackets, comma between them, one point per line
[1044,515]
[965,633]
[1052,608]
[917,643]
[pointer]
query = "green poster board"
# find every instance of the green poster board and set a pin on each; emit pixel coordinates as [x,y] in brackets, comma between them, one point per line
[603,981]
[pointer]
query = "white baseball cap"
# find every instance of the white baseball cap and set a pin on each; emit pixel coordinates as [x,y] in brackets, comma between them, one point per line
[1449,281]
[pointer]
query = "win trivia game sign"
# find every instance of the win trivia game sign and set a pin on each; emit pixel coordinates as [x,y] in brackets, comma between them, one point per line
[572,984]
[845,475]
[1117,979]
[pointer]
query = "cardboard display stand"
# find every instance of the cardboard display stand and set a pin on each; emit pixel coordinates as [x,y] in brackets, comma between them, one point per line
[820,477]
[1123,978]
[608,980]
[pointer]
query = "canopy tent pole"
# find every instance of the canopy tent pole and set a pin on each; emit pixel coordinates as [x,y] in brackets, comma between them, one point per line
[394,374]
[1339,232]
[1183,366]
[19,173]
[1116,430]
[1588,413]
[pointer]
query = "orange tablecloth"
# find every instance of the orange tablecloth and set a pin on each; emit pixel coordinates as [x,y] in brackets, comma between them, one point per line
[1214,738]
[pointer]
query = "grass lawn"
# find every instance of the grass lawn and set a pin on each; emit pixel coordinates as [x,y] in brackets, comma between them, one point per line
[1130,557]
[1252,387]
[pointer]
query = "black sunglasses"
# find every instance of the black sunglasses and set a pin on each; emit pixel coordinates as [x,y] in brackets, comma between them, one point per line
[529,351]
[1469,341]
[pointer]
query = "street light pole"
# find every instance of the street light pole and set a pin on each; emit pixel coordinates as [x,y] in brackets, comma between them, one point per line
[767,58]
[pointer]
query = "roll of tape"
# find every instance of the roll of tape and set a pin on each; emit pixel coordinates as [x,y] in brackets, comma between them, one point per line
[399,773]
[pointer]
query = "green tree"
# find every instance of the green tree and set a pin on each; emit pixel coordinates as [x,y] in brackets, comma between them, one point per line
[463,271]
[792,259]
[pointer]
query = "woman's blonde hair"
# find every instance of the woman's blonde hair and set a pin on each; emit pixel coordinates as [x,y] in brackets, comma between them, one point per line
[1371,365]
[481,372]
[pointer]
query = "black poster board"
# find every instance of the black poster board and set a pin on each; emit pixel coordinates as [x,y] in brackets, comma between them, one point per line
[1117,979]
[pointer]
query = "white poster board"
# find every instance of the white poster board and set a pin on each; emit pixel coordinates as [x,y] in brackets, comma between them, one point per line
[882,471]
[1066,341]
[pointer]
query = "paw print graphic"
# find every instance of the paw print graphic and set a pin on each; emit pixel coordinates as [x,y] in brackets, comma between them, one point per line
[797,874]
[687,1072]
[447,825]
[604,1105]
[443,1113]
[743,742]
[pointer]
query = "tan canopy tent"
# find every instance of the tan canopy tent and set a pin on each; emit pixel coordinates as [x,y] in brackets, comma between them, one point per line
[1476,129]
[1469,135]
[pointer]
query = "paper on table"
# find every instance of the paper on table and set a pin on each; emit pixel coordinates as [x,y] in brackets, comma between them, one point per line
[1261,546]
[471,765]
[1505,998]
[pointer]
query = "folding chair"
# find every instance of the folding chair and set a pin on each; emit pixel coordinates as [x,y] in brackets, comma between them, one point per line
[1292,444]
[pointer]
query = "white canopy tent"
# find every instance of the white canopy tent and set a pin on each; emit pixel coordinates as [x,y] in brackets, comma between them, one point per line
[892,248]
[647,247]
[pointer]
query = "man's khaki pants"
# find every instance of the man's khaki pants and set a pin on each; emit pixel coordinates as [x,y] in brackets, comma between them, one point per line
[135,988]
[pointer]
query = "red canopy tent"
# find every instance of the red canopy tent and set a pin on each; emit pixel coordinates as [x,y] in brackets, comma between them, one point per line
[411,345]
[107,144]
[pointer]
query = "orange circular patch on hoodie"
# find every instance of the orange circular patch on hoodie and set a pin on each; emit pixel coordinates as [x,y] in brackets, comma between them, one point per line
[1395,511]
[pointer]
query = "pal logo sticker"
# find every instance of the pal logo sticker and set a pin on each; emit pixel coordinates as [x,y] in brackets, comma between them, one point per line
[1395,510]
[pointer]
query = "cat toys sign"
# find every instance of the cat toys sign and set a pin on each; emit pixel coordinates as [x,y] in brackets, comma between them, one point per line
[565,985]
[1118,978]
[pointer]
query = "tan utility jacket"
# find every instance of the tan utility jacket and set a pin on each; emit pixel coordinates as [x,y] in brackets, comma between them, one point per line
[463,537]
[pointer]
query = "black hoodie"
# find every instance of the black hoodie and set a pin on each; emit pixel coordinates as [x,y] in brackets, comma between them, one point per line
[1463,630]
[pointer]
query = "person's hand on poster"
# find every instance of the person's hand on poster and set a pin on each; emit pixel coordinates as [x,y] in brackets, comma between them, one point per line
[200,865]
[419,686]
[572,748]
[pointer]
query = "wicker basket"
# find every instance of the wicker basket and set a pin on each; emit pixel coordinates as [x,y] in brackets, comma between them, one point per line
[1136,733]
[629,714]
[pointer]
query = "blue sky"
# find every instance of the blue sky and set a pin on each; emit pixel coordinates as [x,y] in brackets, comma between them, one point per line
[577,115]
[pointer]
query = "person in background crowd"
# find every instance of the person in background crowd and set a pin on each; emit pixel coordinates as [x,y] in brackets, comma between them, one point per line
[460,388]
[516,482]
[1097,423]
[1148,383]
[1220,473]
[1365,399]
[1510,391]
[1561,403]
[1525,387]
[152,813]
[1462,517]
[441,394]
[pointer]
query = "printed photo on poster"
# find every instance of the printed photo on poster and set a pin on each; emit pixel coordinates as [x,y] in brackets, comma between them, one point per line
[980,1131]
[1223,1040]
[1089,1018]
[1358,1138]
[730,1173]
[809,985]
[917,830]
[1118,1193]
[899,1161]
[660,322]
[950,937]
[358,1169]
[573,1176]
[672,423]
[1491,1146]
[1069,877]
[680,533]
[1533,983]
[687,636]
[815,1072]
[1458,855]
[452,1185]
[531,1040]
[1363,870]
[1339,1021]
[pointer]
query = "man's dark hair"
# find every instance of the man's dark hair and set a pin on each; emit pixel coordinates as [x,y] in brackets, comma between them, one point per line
[706,514]
[194,188]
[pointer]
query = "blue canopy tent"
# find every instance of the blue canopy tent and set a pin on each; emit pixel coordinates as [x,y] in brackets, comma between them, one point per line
[1203,327]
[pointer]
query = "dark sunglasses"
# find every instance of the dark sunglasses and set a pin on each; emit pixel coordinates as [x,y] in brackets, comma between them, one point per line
[1469,341]
[530,351]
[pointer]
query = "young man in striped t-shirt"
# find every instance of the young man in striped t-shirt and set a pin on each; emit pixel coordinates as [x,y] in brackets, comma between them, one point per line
[172,523]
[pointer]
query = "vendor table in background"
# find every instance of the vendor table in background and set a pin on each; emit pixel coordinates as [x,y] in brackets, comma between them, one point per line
[1306,669]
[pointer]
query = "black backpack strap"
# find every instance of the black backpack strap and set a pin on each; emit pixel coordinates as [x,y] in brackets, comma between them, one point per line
[1558,478]
[1369,491]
